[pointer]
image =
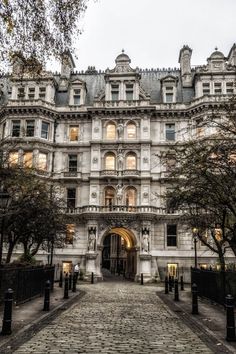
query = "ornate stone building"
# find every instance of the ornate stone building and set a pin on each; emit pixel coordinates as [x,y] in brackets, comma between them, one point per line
[104,136]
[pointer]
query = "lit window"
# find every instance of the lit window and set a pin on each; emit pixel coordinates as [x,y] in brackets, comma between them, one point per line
[200,131]
[110,162]
[30,128]
[131,162]
[129,92]
[111,131]
[31,93]
[131,131]
[114,92]
[15,128]
[171,235]
[77,96]
[13,158]
[45,130]
[170,132]
[42,161]
[42,92]
[28,159]
[109,196]
[205,88]
[217,88]
[72,163]
[70,233]
[172,269]
[21,93]
[71,198]
[73,133]
[131,197]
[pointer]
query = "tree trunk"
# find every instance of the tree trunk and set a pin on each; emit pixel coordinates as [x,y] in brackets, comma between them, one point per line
[9,252]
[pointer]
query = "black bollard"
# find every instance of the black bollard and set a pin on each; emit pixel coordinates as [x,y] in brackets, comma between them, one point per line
[66,287]
[61,279]
[176,298]
[182,282]
[92,280]
[194,300]
[47,289]
[7,316]
[166,285]
[230,322]
[173,281]
[70,281]
[141,278]
[74,283]
[170,284]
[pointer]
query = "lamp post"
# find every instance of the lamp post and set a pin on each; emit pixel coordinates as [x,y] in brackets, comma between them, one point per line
[195,237]
[4,200]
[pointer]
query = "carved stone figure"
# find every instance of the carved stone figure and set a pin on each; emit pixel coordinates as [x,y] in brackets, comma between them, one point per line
[145,240]
[119,191]
[120,129]
[120,160]
[91,240]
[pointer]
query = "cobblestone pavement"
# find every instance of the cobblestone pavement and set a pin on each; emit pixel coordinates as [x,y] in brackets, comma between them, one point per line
[116,317]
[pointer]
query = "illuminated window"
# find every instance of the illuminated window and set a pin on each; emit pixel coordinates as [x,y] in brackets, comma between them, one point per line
[171,235]
[42,161]
[74,133]
[172,269]
[30,128]
[70,233]
[15,128]
[131,163]
[28,159]
[109,196]
[130,196]
[110,162]
[45,130]
[111,131]
[71,198]
[129,91]
[131,131]
[77,96]
[13,158]
[72,163]
[200,131]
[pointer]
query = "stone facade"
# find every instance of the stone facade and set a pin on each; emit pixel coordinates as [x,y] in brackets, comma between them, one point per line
[104,136]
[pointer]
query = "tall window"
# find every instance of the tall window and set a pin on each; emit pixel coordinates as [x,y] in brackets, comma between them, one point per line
[114,92]
[73,133]
[44,130]
[129,91]
[170,132]
[72,163]
[42,161]
[21,93]
[229,88]
[169,94]
[42,92]
[70,233]
[31,93]
[71,198]
[4,130]
[111,131]
[131,162]
[171,235]
[15,128]
[77,96]
[13,158]
[206,88]
[109,196]
[28,159]
[110,162]
[131,131]
[30,128]
[217,88]
[130,196]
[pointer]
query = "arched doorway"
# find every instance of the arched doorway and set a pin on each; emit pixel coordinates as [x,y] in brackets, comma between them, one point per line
[119,254]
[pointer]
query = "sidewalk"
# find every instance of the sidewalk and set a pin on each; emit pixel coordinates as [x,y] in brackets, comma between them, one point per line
[29,317]
[209,324]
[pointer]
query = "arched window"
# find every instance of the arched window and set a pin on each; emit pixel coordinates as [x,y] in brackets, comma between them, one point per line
[109,195]
[131,197]
[110,161]
[110,131]
[131,131]
[131,162]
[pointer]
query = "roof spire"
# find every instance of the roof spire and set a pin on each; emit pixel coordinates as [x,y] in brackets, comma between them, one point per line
[123,50]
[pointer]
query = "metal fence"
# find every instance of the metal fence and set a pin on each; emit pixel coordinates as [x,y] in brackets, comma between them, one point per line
[214,285]
[27,282]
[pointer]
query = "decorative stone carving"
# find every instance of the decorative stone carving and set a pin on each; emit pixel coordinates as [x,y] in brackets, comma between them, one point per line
[96,130]
[145,129]
[120,160]
[120,129]
[94,195]
[145,240]
[145,159]
[145,195]
[119,191]
[91,238]
[95,160]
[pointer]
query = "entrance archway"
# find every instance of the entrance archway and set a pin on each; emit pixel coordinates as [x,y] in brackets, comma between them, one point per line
[119,254]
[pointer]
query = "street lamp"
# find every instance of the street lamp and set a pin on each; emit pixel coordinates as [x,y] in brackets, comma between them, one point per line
[4,201]
[195,238]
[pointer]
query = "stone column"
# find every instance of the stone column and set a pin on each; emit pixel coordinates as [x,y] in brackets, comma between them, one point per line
[145,267]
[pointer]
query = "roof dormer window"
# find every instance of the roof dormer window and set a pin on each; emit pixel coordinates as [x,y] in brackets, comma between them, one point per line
[77,96]
[217,88]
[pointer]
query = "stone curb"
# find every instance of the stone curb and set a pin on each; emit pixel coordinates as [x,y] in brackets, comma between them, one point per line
[28,331]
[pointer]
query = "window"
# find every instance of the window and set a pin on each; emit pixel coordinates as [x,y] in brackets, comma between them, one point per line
[171,235]
[169,94]
[110,162]
[21,93]
[109,196]
[72,163]
[130,197]
[229,88]
[15,128]
[111,131]
[74,133]
[172,269]
[13,158]
[77,96]
[131,131]
[70,233]
[71,198]
[200,131]
[30,128]
[205,88]
[42,92]
[129,92]
[170,132]
[131,162]
[31,93]
[217,88]
[4,130]
[114,92]
[42,161]
[44,130]
[28,159]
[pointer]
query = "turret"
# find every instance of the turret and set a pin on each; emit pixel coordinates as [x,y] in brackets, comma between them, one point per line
[185,65]
[232,56]
[67,65]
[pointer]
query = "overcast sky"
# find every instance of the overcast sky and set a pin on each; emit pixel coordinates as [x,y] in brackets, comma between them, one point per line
[152,31]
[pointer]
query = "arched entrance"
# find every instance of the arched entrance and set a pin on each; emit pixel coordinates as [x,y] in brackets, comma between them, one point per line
[119,254]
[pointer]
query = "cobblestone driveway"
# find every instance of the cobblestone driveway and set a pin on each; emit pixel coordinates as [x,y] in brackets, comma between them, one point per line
[114,317]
